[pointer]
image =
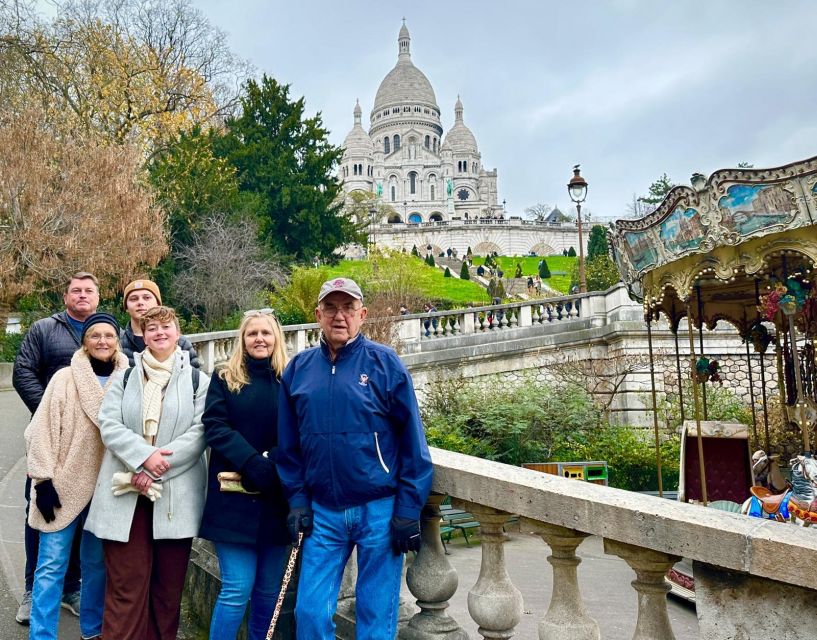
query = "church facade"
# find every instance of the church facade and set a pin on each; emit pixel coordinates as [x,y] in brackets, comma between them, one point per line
[421,172]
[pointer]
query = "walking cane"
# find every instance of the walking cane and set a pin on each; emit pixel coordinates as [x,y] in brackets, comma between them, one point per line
[293,556]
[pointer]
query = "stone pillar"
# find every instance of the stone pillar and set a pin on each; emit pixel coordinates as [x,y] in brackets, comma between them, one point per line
[467,325]
[409,330]
[525,317]
[566,618]
[494,603]
[650,568]
[208,355]
[731,604]
[300,341]
[432,580]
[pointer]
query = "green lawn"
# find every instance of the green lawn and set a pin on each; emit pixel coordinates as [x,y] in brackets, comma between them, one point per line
[530,267]
[429,280]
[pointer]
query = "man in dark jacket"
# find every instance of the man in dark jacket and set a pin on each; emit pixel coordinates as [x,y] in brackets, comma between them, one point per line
[354,463]
[48,347]
[139,296]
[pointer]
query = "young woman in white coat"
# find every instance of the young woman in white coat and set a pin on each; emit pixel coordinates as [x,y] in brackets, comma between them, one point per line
[149,497]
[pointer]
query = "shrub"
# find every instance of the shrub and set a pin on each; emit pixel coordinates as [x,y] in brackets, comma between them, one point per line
[464,273]
[571,253]
[447,273]
[518,272]
[544,270]
[414,251]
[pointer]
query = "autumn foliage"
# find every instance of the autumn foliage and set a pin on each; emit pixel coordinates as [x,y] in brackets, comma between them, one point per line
[70,205]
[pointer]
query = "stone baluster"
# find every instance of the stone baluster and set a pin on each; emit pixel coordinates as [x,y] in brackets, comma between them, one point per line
[432,580]
[301,341]
[549,312]
[514,318]
[494,603]
[650,568]
[566,618]
[574,310]
[207,353]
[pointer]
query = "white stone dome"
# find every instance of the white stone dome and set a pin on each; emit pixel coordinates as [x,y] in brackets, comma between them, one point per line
[405,83]
[459,138]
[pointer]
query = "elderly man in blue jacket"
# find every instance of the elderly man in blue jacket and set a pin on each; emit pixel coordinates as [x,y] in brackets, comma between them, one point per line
[354,463]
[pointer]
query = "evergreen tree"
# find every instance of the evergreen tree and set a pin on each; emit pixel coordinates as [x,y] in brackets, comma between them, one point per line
[464,273]
[447,273]
[518,272]
[571,253]
[414,251]
[544,270]
[469,253]
[597,243]
[564,252]
[430,260]
[287,162]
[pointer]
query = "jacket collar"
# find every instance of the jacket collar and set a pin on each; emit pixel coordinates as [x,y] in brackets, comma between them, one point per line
[89,390]
[346,350]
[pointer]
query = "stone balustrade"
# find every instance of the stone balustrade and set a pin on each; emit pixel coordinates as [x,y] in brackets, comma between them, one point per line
[414,329]
[745,568]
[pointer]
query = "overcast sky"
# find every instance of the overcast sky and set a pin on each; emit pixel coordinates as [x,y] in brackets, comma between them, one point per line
[628,88]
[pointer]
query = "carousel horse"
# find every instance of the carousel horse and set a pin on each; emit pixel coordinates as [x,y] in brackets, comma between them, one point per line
[797,503]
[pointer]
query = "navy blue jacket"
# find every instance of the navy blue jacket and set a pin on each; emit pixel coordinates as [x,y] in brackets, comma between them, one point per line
[349,431]
[239,426]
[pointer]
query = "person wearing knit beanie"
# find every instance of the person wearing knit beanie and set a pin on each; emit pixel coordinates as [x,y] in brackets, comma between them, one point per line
[96,318]
[138,297]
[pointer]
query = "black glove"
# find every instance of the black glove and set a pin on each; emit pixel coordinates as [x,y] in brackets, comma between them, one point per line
[259,474]
[47,499]
[299,520]
[405,535]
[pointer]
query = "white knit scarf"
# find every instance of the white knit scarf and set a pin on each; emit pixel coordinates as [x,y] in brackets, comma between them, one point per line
[158,375]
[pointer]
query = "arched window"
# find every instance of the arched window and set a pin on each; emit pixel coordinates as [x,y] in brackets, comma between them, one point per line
[396,141]
[428,142]
[432,191]
[386,145]
[465,166]
[393,193]
[412,182]
[415,218]
[435,145]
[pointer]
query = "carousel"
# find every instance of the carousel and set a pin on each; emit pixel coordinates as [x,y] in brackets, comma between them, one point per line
[738,247]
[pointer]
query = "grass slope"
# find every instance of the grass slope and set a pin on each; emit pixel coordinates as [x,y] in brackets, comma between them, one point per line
[560,266]
[429,281]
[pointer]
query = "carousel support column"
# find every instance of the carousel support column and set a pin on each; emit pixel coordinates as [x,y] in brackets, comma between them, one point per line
[701,343]
[654,406]
[763,376]
[781,380]
[751,380]
[697,404]
[798,381]
[433,581]
[680,375]
[566,618]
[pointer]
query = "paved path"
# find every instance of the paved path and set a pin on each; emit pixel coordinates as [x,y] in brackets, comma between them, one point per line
[605,580]
[13,420]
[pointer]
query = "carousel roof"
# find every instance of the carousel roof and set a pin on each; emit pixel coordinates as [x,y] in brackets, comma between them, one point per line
[720,241]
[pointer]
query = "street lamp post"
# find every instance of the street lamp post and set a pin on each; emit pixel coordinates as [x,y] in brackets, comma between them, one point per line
[577,189]
[372,230]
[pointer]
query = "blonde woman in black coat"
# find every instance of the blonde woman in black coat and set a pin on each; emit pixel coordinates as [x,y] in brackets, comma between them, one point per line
[248,529]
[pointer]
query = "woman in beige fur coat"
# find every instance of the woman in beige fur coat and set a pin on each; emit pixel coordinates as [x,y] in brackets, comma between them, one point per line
[65,450]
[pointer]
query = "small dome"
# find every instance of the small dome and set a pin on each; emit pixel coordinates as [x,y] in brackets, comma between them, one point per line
[459,138]
[357,141]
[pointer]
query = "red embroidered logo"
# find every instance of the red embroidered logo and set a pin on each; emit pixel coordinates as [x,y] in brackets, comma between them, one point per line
[337,284]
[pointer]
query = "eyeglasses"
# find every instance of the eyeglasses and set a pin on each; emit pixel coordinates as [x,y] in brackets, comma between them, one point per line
[347,310]
[266,311]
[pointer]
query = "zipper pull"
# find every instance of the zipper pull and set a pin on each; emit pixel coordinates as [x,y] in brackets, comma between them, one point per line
[333,369]
[170,515]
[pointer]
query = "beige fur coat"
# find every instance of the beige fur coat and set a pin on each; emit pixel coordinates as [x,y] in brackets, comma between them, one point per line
[63,442]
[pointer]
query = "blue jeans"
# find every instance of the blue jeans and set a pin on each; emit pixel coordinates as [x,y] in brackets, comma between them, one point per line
[49,576]
[248,573]
[325,553]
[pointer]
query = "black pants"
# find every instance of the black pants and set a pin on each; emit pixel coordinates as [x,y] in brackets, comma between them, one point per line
[32,544]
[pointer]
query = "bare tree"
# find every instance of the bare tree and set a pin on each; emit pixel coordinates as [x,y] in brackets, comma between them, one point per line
[225,270]
[69,205]
[129,70]
[538,211]
[602,378]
